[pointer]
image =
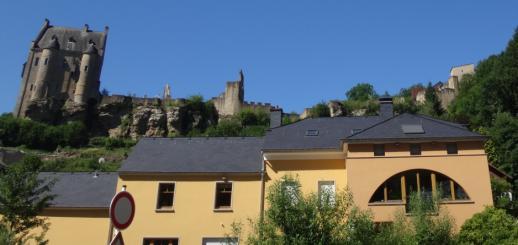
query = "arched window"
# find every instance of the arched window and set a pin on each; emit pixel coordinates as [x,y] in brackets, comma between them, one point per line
[398,187]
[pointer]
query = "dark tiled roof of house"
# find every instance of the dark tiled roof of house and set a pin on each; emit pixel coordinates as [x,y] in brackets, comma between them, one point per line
[195,155]
[81,190]
[432,129]
[330,132]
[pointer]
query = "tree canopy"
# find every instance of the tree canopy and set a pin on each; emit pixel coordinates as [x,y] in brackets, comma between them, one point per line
[361,92]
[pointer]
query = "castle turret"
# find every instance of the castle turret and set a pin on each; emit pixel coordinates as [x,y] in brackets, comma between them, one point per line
[87,74]
[48,60]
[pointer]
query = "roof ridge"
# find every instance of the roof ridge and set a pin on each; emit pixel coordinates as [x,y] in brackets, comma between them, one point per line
[374,125]
[442,122]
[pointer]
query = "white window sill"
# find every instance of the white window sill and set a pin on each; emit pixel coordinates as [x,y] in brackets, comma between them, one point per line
[393,203]
[163,210]
[223,210]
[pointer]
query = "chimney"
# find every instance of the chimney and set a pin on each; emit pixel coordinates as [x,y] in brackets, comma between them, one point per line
[275,117]
[386,107]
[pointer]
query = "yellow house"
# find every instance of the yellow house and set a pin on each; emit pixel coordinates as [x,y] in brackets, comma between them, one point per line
[79,212]
[190,190]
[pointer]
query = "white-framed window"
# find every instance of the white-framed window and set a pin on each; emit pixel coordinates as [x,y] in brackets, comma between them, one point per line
[327,191]
[165,197]
[223,196]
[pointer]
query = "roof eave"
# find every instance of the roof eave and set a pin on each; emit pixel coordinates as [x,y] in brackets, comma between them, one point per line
[416,139]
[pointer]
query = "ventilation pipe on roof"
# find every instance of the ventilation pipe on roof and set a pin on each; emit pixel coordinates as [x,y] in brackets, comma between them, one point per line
[275,117]
[386,107]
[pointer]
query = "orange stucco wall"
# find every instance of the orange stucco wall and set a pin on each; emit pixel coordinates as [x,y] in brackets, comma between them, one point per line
[469,168]
[308,172]
[194,217]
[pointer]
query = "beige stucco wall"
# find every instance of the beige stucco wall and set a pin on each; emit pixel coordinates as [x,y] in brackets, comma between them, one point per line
[469,169]
[76,226]
[308,172]
[194,217]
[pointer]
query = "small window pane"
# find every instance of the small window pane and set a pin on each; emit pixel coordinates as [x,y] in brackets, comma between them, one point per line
[425,183]
[379,195]
[394,189]
[443,186]
[36,61]
[46,61]
[379,150]
[451,148]
[415,149]
[165,196]
[459,193]
[223,195]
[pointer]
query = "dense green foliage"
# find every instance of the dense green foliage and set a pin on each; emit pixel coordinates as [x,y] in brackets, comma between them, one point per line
[36,135]
[245,123]
[361,92]
[319,110]
[294,218]
[22,197]
[488,102]
[492,226]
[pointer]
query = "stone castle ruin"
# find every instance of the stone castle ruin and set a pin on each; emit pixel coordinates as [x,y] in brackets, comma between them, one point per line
[232,101]
[62,69]
[61,81]
[449,90]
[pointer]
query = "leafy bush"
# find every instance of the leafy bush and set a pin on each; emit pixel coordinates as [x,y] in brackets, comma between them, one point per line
[492,226]
[35,135]
[294,218]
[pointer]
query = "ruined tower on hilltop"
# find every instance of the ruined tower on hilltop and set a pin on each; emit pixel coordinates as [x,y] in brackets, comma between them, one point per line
[63,66]
[230,102]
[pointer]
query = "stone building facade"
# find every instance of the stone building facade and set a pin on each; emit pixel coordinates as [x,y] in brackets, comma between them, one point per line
[63,67]
[449,90]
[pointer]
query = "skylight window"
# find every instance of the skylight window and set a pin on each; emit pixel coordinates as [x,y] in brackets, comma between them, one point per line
[412,128]
[312,132]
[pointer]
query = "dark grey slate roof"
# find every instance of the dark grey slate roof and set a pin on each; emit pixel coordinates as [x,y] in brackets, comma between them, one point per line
[434,129]
[64,34]
[195,155]
[82,190]
[53,44]
[330,133]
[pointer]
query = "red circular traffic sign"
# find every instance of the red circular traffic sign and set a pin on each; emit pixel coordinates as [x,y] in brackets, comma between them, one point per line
[122,210]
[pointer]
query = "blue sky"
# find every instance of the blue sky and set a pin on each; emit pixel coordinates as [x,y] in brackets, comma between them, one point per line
[293,53]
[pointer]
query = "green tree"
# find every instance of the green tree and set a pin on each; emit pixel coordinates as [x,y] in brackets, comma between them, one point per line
[432,105]
[361,92]
[23,196]
[492,226]
[492,89]
[320,110]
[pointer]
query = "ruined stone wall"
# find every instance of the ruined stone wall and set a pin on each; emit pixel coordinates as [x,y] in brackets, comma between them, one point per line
[446,96]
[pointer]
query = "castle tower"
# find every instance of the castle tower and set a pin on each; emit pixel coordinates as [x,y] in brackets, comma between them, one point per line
[167,92]
[88,75]
[55,66]
[231,101]
[48,60]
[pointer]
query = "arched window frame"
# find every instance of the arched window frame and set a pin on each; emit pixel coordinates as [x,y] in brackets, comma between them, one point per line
[454,187]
